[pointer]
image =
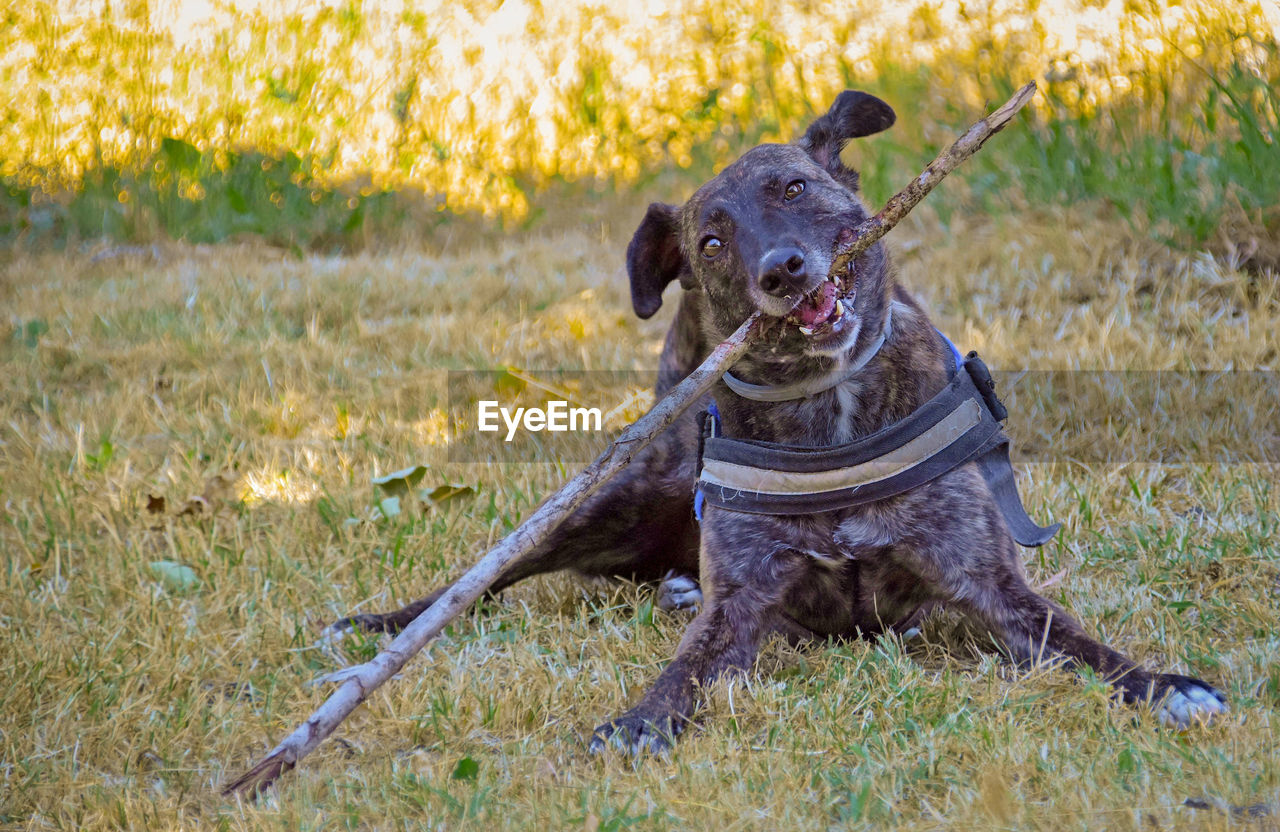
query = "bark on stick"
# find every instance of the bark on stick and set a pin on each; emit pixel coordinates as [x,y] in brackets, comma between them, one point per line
[358,682]
[901,203]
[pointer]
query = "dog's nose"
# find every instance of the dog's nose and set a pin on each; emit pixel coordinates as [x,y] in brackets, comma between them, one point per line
[782,272]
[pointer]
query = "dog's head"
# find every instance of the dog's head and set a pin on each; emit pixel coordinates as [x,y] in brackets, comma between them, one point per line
[761,236]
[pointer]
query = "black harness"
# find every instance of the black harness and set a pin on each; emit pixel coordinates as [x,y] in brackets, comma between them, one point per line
[959,425]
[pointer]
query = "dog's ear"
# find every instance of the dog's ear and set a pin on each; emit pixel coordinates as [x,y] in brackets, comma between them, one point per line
[853,115]
[654,258]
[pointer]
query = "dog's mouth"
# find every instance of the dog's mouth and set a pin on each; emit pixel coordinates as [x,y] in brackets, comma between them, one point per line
[822,311]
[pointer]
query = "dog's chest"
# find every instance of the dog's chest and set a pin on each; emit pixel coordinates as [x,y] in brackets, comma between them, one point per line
[834,539]
[842,419]
[828,419]
[837,416]
[859,532]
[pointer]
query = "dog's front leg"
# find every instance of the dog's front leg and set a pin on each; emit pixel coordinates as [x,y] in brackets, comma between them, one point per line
[723,638]
[955,539]
[974,563]
[746,572]
[1034,628]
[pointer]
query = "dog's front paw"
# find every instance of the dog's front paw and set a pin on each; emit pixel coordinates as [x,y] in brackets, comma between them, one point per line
[635,732]
[1182,700]
[679,592]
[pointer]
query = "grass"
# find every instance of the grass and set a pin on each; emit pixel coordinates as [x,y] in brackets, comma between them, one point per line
[331,126]
[276,387]
[245,251]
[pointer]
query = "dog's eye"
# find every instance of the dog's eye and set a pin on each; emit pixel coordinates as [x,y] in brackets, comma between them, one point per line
[711,247]
[794,189]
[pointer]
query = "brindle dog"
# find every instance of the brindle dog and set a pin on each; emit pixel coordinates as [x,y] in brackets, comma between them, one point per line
[757,237]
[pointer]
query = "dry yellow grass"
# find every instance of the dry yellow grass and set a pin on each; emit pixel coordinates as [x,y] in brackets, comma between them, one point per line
[479,104]
[129,700]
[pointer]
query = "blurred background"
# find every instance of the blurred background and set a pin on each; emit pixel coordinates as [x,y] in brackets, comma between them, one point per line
[332,126]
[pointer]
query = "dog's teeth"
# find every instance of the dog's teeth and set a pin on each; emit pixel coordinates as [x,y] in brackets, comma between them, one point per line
[806,330]
[839,308]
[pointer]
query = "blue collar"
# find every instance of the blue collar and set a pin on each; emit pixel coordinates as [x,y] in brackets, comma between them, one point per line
[955,352]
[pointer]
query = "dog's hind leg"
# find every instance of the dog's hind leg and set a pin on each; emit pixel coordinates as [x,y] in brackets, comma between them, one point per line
[639,525]
[679,591]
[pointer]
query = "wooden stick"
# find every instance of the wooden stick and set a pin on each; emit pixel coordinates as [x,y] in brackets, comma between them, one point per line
[901,203]
[361,680]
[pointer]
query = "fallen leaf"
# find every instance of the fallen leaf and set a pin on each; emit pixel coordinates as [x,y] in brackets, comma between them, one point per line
[466,769]
[386,507]
[509,381]
[150,761]
[175,576]
[217,492]
[444,493]
[398,483]
[218,489]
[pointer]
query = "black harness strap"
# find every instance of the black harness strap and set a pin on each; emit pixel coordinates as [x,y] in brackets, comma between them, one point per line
[959,425]
[998,472]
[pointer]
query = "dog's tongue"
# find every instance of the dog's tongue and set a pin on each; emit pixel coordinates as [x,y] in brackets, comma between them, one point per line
[813,310]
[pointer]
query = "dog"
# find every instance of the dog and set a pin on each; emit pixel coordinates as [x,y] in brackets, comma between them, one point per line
[854,355]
